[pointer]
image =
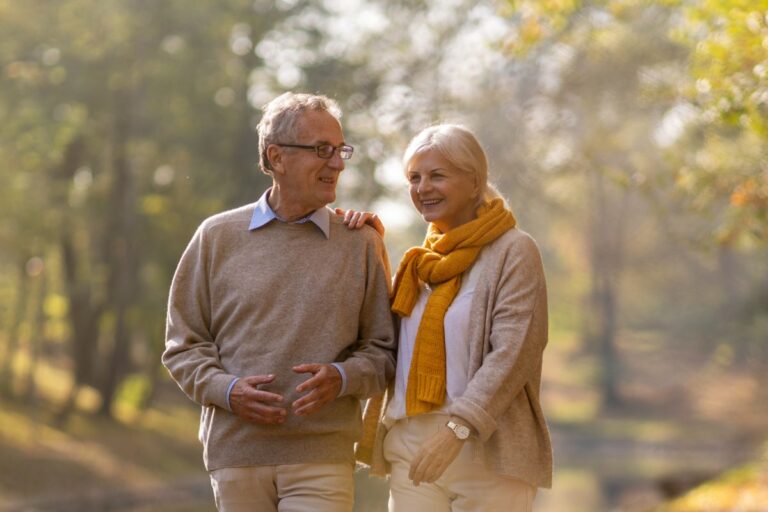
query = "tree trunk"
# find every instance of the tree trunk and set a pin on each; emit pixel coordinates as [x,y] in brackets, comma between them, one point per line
[153,368]
[245,175]
[123,279]
[605,304]
[83,312]
[732,306]
[83,315]
[606,249]
[36,339]
[84,318]
[12,343]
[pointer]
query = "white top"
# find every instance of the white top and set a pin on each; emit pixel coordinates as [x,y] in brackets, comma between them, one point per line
[456,326]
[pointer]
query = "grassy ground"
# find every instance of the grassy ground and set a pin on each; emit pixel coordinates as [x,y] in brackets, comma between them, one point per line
[689,414]
[139,462]
[92,456]
[744,489]
[687,417]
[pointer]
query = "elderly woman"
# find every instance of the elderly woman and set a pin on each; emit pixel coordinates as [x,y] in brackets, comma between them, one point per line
[462,428]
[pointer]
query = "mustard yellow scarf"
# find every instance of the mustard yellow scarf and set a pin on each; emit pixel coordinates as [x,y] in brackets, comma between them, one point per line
[440,262]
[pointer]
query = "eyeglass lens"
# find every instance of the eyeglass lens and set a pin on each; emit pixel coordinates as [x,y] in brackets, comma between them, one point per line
[326,151]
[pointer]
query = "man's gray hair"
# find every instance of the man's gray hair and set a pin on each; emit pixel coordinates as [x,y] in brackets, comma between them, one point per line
[280,121]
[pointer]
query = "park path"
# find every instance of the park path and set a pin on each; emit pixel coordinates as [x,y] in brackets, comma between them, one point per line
[187,495]
[610,463]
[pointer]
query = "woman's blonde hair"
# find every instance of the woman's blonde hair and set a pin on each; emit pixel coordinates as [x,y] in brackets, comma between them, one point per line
[460,147]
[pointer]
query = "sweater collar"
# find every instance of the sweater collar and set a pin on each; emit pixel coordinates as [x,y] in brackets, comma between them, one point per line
[263,215]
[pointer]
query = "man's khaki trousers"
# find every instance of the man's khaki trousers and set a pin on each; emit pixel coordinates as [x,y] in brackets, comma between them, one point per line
[285,488]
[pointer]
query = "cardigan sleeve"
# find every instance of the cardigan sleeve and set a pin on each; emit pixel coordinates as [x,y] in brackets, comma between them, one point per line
[516,336]
[371,365]
[191,354]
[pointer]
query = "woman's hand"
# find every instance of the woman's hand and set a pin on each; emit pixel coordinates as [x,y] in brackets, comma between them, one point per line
[356,220]
[434,457]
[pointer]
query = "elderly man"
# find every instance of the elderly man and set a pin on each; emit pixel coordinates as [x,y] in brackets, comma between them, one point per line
[279,324]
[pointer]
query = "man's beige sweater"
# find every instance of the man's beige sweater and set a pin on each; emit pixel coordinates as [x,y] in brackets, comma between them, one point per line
[260,302]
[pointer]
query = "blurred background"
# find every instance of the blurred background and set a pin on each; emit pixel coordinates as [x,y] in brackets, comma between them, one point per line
[630,137]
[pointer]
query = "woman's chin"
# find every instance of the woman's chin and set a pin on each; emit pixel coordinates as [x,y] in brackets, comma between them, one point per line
[430,217]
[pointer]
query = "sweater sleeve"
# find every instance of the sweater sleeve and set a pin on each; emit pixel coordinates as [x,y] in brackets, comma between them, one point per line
[518,335]
[371,365]
[191,354]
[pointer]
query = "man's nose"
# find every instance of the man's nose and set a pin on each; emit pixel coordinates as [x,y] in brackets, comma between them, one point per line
[336,162]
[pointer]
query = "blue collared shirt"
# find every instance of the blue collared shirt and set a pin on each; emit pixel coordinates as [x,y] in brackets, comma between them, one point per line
[263,215]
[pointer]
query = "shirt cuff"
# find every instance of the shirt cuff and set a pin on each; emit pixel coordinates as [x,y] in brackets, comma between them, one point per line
[229,390]
[343,379]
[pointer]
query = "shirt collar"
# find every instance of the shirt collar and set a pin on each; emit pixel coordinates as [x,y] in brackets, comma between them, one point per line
[263,215]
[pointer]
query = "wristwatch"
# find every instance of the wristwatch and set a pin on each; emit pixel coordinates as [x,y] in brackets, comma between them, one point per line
[461,431]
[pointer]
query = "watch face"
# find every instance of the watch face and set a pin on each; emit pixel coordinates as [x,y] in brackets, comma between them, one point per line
[461,431]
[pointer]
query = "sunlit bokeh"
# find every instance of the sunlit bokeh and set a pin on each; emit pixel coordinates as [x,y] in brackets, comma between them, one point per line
[630,139]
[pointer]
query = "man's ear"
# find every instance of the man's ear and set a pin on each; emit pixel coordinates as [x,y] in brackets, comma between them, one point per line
[275,157]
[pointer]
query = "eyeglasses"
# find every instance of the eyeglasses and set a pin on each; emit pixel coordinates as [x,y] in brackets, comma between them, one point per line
[325,150]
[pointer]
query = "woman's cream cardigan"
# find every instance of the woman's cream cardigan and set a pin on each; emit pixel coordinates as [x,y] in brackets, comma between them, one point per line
[507,336]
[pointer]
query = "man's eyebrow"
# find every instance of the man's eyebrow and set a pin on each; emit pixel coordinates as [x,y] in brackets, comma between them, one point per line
[321,142]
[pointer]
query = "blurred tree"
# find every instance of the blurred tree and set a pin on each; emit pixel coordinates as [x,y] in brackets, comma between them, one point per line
[13,329]
[592,126]
[127,123]
[721,157]
[728,90]
[125,116]
[36,269]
